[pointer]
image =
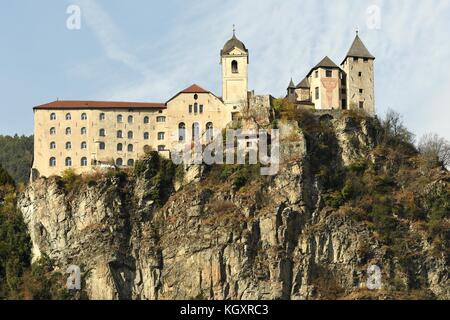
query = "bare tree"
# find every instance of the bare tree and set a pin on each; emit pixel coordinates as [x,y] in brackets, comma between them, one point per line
[394,130]
[435,147]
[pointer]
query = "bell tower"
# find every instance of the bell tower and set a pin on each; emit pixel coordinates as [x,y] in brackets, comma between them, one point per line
[234,61]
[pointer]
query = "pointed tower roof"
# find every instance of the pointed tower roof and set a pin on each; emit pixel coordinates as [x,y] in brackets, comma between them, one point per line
[324,63]
[291,85]
[234,42]
[304,84]
[358,49]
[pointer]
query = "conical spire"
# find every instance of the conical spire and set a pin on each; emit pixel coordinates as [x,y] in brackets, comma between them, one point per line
[291,85]
[358,49]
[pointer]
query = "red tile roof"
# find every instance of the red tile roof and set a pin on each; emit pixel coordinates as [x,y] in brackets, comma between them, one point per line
[74,104]
[194,89]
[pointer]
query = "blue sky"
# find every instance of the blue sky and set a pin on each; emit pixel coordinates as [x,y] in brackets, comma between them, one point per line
[148,50]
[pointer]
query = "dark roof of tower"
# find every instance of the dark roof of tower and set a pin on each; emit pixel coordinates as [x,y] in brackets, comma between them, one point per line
[359,50]
[291,85]
[231,44]
[324,63]
[304,84]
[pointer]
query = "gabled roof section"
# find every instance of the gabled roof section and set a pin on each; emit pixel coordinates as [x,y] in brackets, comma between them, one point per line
[304,84]
[192,90]
[359,50]
[80,104]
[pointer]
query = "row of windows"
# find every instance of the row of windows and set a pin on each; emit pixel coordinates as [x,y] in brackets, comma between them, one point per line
[102,133]
[103,116]
[196,108]
[84,162]
[68,145]
[195,131]
[68,162]
[68,116]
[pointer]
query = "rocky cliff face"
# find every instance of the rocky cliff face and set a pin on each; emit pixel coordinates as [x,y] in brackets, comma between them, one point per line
[273,238]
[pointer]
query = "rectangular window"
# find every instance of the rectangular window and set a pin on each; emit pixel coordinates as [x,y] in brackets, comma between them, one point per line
[201,108]
[190,108]
[360,74]
[361,91]
[161,135]
[317,93]
[161,148]
[343,91]
[195,108]
[366,59]
[361,104]
[355,59]
[161,119]
[344,104]
[317,73]
[328,73]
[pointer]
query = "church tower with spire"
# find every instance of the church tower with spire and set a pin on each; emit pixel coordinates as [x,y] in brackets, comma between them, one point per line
[234,61]
[358,66]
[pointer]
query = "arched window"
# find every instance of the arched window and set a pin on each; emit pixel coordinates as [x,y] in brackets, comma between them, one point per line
[119,147]
[130,119]
[119,134]
[130,134]
[119,162]
[102,116]
[84,145]
[52,162]
[68,116]
[130,162]
[182,132]
[195,131]
[53,116]
[234,66]
[68,145]
[52,145]
[119,118]
[146,120]
[209,131]
[68,131]
[83,116]
[102,133]
[146,136]
[130,148]
[102,146]
[68,162]
[83,130]
[52,131]
[84,162]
